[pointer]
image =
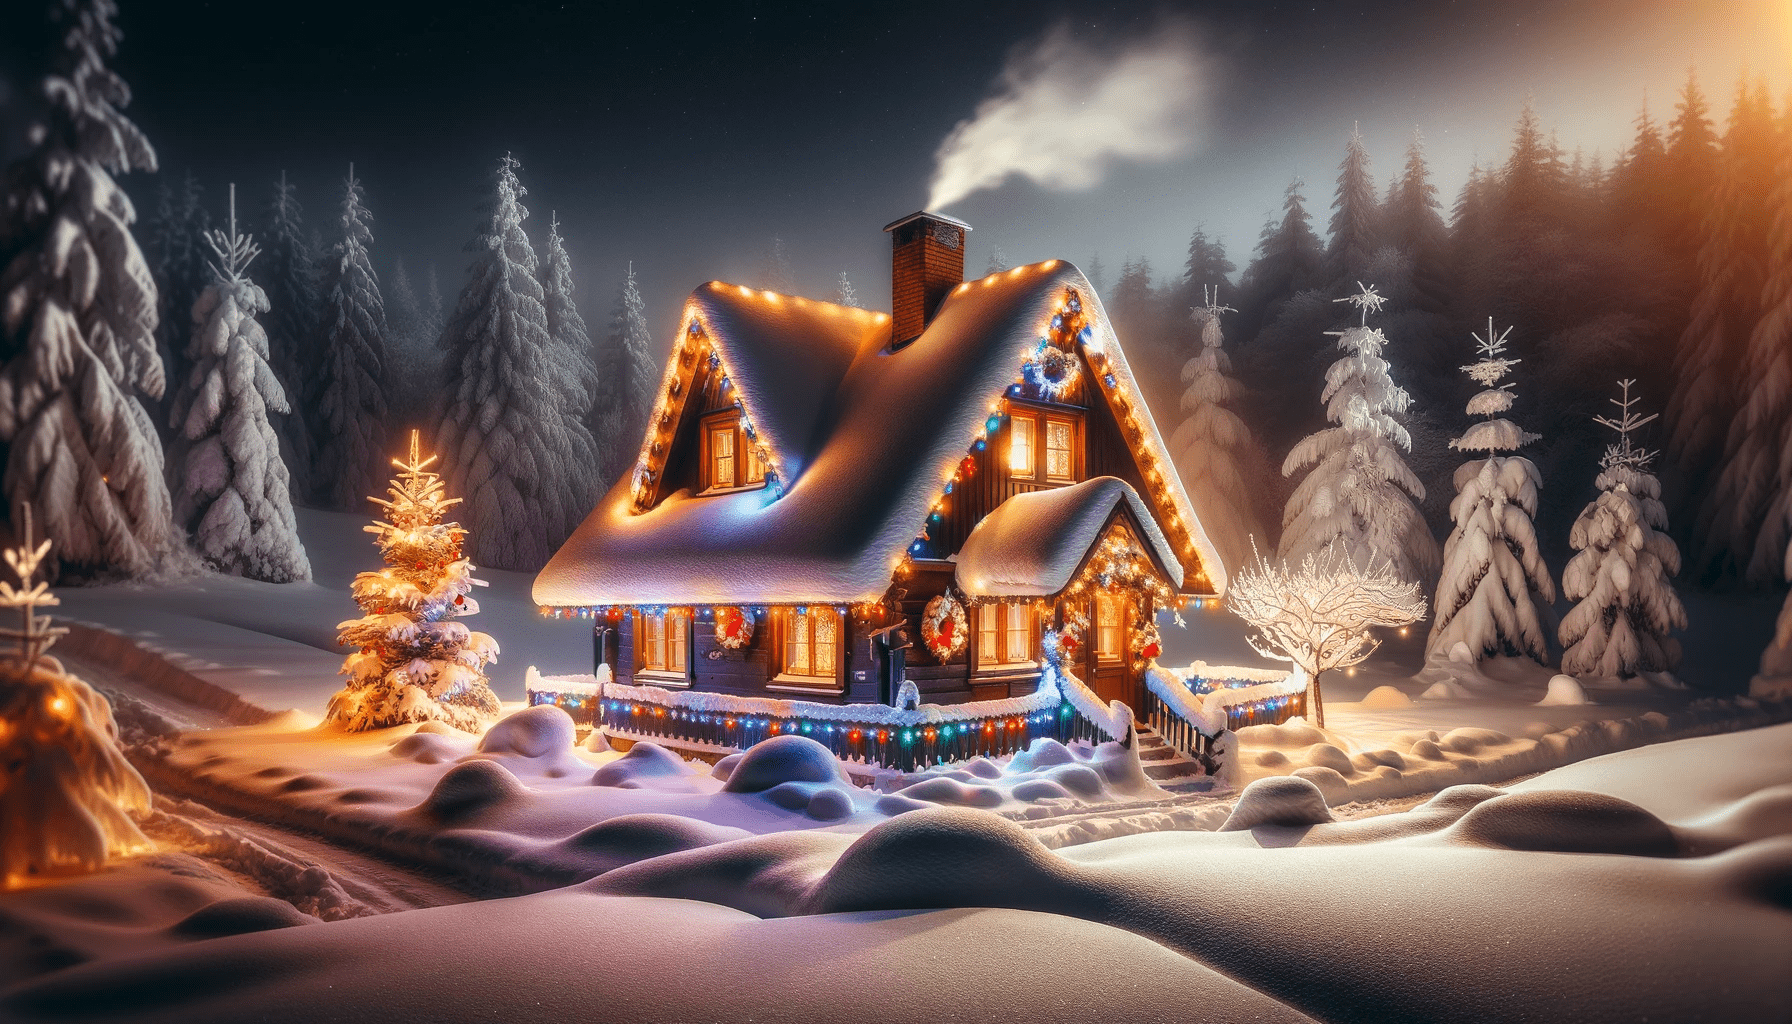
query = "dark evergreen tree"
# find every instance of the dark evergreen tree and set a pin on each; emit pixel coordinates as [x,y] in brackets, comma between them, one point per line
[1690,165]
[348,394]
[1354,213]
[1289,260]
[178,253]
[1412,221]
[628,376]
[1206,272]
[287,272]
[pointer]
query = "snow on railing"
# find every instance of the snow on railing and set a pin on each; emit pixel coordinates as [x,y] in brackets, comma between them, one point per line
[903,738]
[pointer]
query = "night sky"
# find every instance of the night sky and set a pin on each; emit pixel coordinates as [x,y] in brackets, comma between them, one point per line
[684,138]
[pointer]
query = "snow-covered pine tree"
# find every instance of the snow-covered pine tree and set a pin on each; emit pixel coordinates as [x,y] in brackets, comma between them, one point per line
[434,319]
[287,273]
[998,261]
[413,662]
[577,384]
[845,294]
[1220,463]
[68,792]
[1098,274]
[511,445]
[413,359]
[1626,604]
[350,420]
[404,312]
[1354,213]
[627,376]
[1495,588]
[78,318]
[1359,494]
[231,489]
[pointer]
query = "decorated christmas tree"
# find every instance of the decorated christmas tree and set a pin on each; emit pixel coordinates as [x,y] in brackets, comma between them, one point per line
[1620,577]
[1359,493]
[66,789]
[413,662]
[1495,588]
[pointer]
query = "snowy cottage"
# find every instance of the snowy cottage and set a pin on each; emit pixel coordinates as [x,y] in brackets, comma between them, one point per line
[818,484]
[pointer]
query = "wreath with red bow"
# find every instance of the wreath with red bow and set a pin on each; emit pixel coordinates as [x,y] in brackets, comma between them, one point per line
[943,627]
[734,627]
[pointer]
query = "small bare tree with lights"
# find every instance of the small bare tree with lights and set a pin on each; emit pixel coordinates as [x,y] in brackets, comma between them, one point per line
[1318,615]
[66,791]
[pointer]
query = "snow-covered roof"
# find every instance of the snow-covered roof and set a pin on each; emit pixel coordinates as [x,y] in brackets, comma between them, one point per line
[863,438]
[1033,543]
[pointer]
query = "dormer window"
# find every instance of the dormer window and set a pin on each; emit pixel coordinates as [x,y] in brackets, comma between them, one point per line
[730,458]
[1042,447]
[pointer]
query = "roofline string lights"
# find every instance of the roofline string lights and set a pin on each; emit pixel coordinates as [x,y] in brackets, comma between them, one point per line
[1066,327]
[691,351]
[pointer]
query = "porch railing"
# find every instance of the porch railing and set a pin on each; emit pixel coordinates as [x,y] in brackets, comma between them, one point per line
[873,734]
[1189,721]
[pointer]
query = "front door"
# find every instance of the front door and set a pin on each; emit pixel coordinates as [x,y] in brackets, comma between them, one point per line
[1110,666]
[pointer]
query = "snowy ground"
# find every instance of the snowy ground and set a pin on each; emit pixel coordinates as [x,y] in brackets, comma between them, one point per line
[1649,884]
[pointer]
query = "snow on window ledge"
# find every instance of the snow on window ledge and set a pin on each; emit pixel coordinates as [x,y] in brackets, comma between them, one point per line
[785,681]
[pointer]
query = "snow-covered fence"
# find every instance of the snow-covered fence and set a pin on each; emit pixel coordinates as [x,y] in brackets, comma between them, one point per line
[1062,708]
[1247,696]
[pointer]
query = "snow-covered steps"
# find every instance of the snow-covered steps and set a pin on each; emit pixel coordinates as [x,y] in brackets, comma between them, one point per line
[1164,765]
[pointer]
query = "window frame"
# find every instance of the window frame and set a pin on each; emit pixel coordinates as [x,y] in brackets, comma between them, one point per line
[810,682]
[673,648]
[994,646]
[1039,423]
[748,471]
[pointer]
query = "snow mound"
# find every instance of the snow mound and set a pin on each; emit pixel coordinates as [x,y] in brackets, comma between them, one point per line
[1044,753]
[643,761]
[1444,689]
[1287,800]
[1289,735]
[239,916]
[830,804]
[1566,821]
[471,787]
[944,857]
[638,837]
[532,732]
[429,748]
[768,876]
[1386,697]
[951,791]
[1324,755]
[1564,690]
[784,759]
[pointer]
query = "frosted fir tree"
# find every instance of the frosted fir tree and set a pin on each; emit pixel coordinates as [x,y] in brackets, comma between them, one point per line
[1626,605]
[1359,493]
[1495,589]
[998,261]
[78,318]
[577,384]
[231,489]
[287,273]
[350,413]
[1214,451]
[628,376]
[413,660]
[509,442]
[66,791]
[845,294]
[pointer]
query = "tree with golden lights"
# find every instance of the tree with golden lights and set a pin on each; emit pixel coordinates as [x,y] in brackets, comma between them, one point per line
[413,662]
[1319,615]
[66,790]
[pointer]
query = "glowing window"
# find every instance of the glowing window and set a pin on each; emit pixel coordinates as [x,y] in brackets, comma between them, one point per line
[662,639]
[755,468]
[812,644]
[1108,609]
[721,457]
[1060,463]
[1020,445]
[989,632]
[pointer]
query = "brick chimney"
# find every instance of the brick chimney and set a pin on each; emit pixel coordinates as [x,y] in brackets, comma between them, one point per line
[926,262]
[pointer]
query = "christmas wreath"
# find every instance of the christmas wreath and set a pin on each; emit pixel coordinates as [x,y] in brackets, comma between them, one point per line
[1052,370]
[943,627]
[734,627]
[1063,642]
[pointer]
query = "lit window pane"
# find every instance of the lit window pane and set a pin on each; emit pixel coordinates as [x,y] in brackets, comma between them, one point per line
[653,654]
[1019,633]
[1058,462]
[755,468]
[721,449]
[796,656]
[988,619]
[1020,446]
[677,632]
[824,643]
[1107,625]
